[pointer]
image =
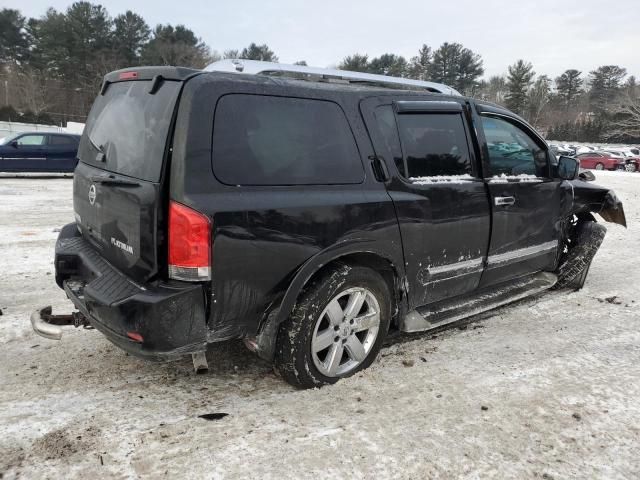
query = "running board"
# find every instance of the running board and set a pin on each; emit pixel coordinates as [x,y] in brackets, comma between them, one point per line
[449,311]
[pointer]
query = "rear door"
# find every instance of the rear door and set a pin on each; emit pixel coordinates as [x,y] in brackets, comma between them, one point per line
[439,196]
[525,199]
[118,184]
[61,153]
[25,153]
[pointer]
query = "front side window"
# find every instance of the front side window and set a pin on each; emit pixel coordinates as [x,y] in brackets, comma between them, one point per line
[513,152]
[434,144]
[31,140]
[264,140]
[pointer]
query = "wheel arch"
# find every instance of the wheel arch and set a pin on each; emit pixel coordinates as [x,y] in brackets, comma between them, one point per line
[357,254]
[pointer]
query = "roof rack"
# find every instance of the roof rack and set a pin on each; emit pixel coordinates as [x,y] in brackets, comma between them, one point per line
[256,67]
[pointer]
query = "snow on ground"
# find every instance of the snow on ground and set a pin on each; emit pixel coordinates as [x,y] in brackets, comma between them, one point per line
[545,388]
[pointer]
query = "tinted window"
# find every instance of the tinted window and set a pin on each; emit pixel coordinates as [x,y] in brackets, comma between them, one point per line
[131,127]
[261,140]
[512,151]
[434,144]
[60,140]
[387,123]
[31,140]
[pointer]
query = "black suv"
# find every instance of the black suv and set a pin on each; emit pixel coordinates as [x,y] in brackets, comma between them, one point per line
[309,216]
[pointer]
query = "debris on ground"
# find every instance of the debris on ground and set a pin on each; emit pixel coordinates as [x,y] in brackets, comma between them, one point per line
[213,416]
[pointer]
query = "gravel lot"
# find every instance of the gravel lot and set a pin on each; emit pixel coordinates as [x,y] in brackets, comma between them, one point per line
[546,388]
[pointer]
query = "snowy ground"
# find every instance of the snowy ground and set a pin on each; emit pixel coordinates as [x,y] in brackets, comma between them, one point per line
[546,388]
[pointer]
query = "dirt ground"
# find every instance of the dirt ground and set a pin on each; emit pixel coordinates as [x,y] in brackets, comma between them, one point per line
[546,388]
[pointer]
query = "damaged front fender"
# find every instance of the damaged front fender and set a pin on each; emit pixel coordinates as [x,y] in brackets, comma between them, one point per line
[592,198]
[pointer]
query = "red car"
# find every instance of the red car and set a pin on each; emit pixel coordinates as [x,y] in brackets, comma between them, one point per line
[600,161]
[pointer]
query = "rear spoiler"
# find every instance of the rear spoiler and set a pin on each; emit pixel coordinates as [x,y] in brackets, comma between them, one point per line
[148,73]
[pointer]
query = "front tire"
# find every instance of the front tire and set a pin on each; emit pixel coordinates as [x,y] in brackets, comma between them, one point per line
[599,166]
[574,266]
[336,329]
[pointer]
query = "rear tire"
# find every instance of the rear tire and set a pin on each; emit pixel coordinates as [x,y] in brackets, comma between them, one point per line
[599,166]
[575,264]
[336,329]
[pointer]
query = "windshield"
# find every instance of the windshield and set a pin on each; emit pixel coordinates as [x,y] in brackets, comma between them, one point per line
[10,138]
[127,129]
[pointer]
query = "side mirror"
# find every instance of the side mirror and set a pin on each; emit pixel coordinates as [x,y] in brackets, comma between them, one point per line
[568,168]
[14,144]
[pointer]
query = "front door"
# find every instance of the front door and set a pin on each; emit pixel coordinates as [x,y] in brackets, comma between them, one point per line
[26,153]
[525,200]
[440,199]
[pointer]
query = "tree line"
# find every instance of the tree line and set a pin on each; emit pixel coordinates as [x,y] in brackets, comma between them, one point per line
[51,68]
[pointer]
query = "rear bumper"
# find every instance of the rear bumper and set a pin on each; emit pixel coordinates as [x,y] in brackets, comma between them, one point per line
[156,320]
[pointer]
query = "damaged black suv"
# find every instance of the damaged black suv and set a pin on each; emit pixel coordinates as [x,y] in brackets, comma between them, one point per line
[309,212]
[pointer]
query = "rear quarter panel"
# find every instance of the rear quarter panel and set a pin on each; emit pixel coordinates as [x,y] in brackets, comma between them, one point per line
[264,235]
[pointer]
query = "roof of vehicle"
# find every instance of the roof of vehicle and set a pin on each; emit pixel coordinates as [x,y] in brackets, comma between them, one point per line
[254,67]
[40,132]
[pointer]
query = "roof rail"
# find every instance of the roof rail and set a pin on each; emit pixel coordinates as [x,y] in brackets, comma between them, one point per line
[256,67]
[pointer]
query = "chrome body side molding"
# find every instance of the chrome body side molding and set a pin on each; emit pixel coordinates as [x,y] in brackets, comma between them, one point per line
[521,254]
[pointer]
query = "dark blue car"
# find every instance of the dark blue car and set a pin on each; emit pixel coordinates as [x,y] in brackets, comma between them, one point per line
[39,152]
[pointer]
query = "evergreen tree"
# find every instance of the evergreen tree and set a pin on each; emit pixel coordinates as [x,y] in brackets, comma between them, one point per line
[518,82]
[14,45]
[456,66]
[568,85]
[175,46]
[355,63]
[130,35]
[605,83]
[389,64]
[419,65]
[258,52]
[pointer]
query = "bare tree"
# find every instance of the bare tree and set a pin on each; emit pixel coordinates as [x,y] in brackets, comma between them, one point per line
[626,115]
[32,90]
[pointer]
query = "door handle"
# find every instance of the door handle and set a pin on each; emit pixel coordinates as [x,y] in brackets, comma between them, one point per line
[505,201]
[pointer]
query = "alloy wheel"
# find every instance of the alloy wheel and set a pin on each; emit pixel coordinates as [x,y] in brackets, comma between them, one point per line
[345,332]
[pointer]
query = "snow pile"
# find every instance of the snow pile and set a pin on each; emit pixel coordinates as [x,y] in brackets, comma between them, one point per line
[522,178]
[441,179]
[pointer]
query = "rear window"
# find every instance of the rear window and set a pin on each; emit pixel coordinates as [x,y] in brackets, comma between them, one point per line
[263,140]
[130,126]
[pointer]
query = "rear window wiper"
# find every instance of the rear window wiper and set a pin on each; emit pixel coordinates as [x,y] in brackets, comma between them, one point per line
[101,155]
[111,180]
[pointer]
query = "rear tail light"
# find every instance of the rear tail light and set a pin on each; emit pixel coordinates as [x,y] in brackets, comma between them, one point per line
[189,244]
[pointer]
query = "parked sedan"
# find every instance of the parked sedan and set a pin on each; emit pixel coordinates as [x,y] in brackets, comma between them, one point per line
[601,161]
[39,152]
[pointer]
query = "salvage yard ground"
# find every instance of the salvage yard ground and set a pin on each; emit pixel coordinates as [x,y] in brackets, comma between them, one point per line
[546,388]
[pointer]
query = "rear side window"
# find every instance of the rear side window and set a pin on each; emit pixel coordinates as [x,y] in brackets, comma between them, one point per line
[263,140]
[61,141]
[434,144]
[387,123]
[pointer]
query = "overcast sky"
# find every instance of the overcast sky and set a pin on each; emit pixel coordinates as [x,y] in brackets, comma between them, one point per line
[552,34]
